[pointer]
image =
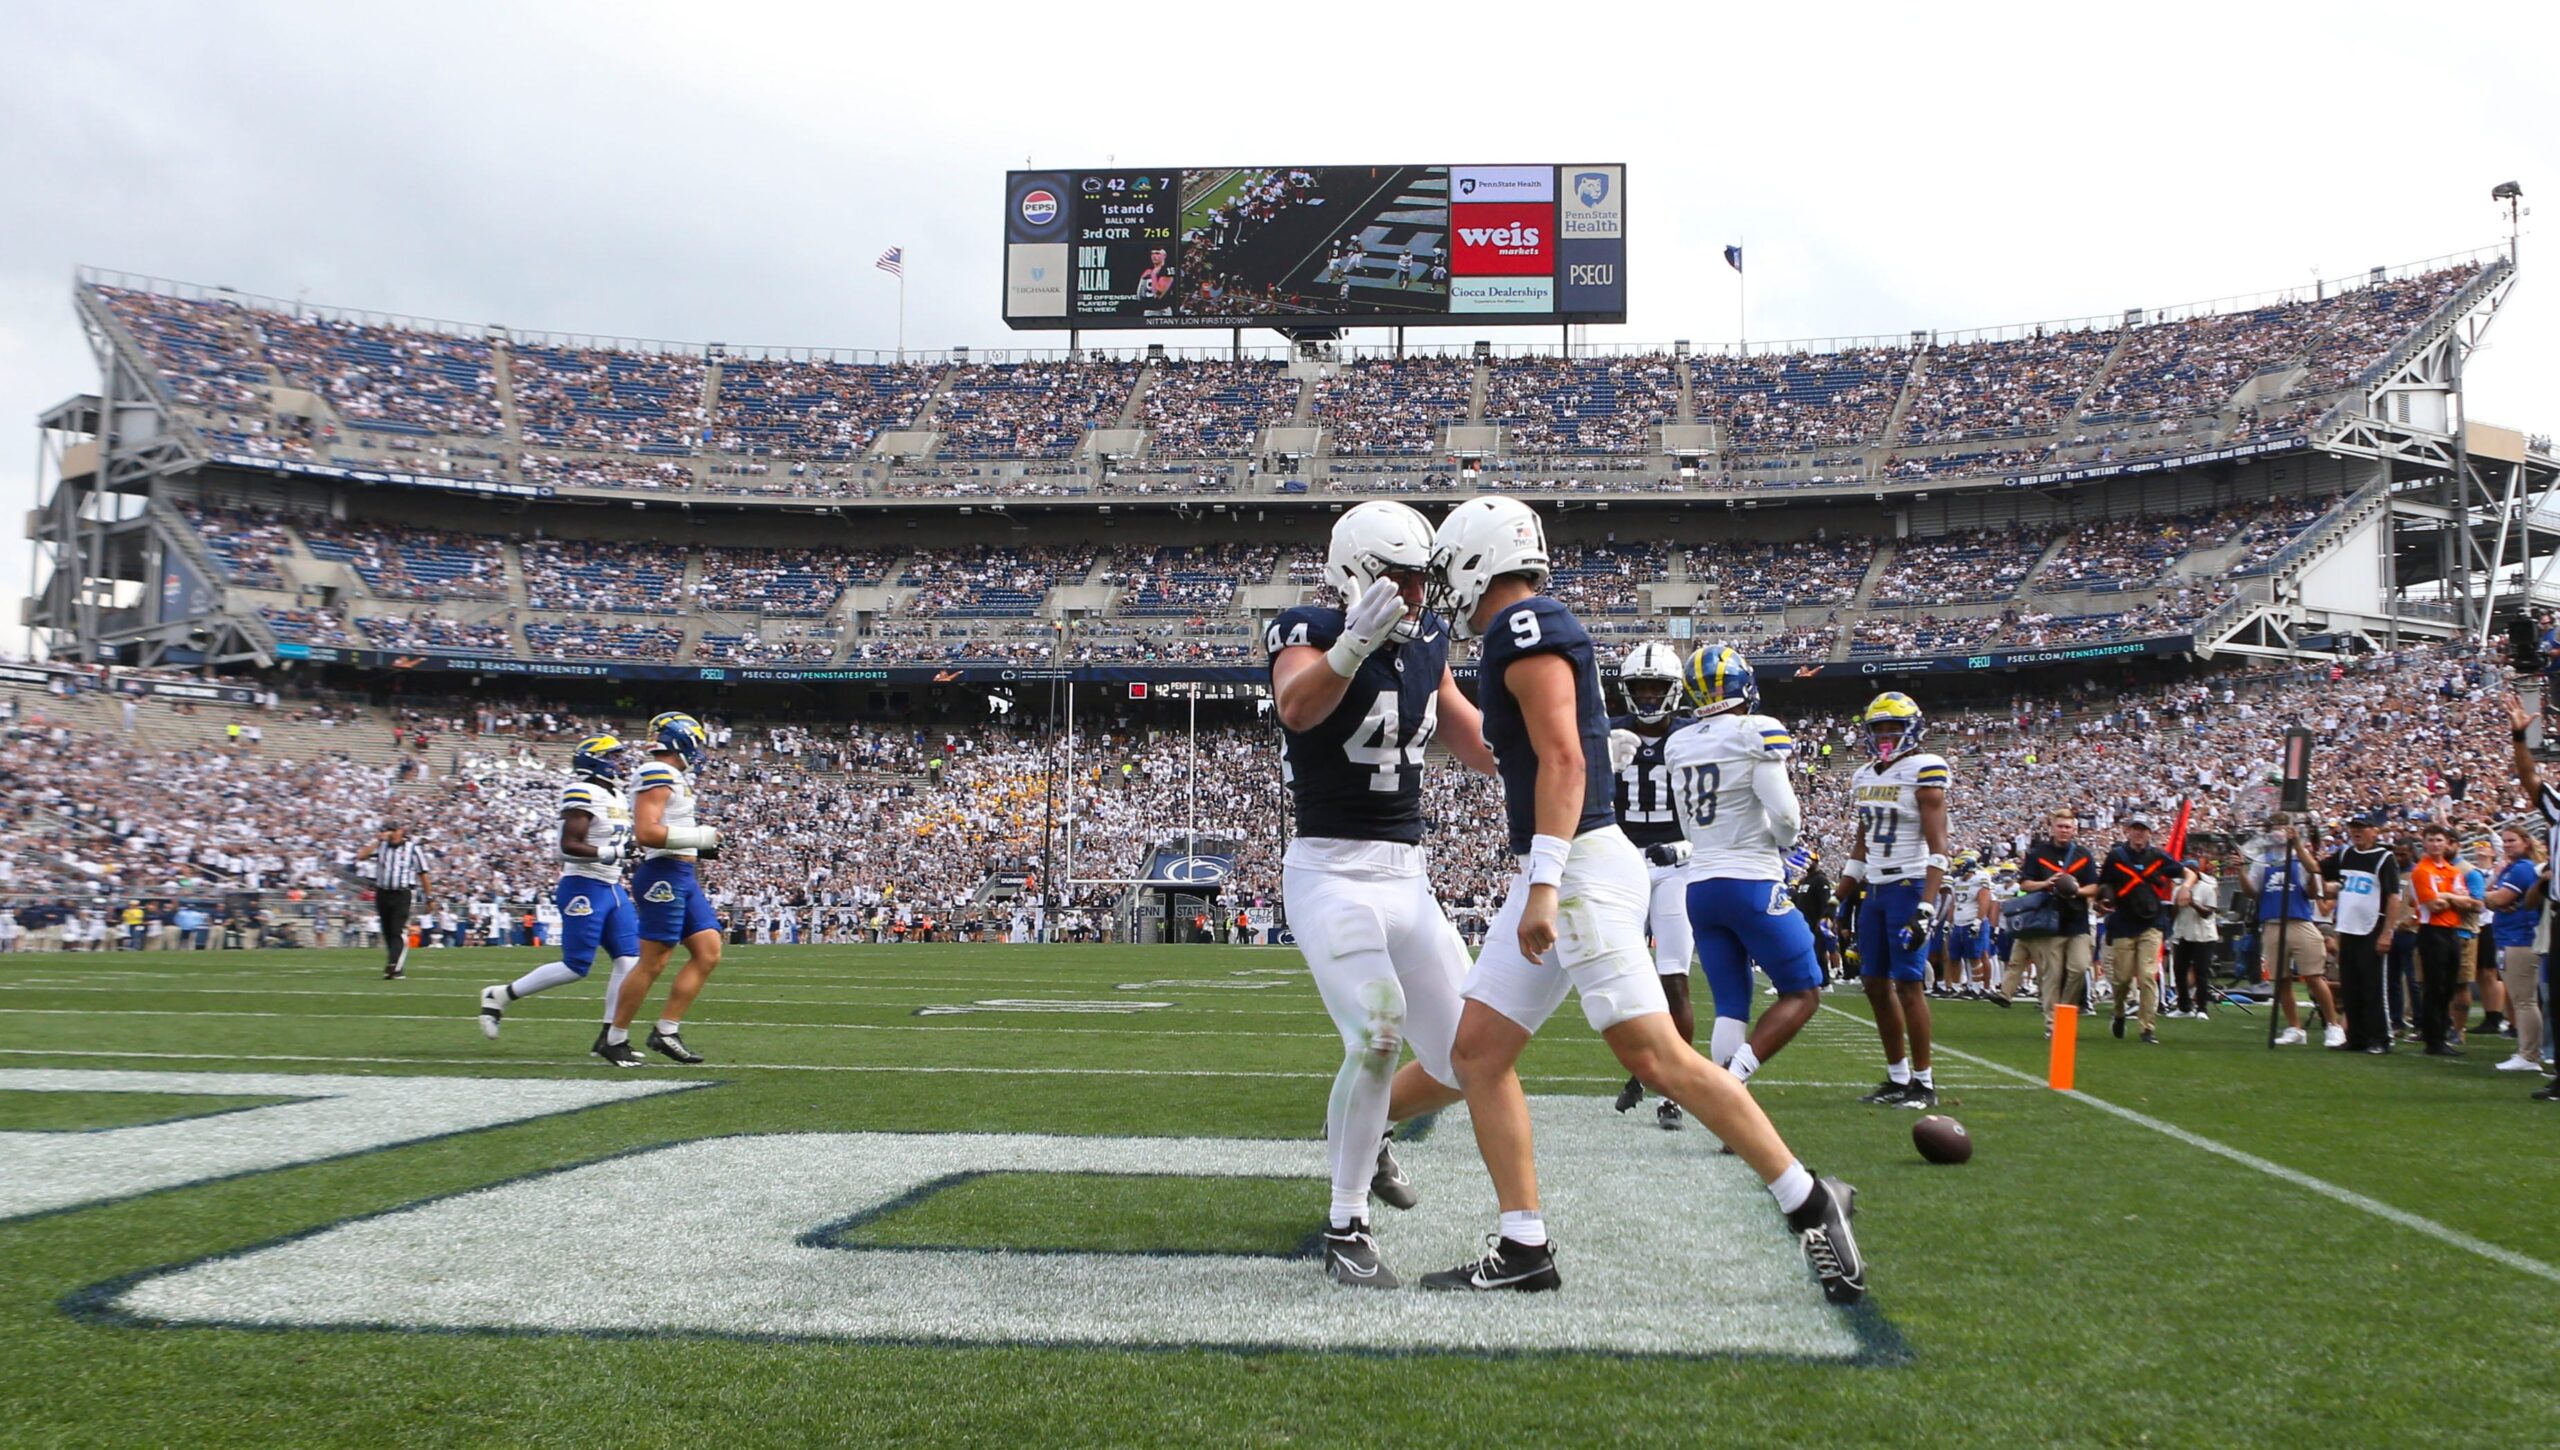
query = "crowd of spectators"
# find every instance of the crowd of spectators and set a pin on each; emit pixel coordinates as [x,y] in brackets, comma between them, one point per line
[991,581]
[308,626]
[422,630]
[399,378]
[797,583]
[1587,405]
[1780,401]
[1604,579]
[244,542]
[1962,567]
[411,563]
[1195,409]
[1191,580]
[1031,409]
[1743,578]
[609,400]
[618,578]
[2003,389]
[601,639]
[815,407]
[1382,405]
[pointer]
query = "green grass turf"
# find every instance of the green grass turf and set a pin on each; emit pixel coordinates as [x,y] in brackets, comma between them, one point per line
[51,1112]
[2084,1280]
[1104,1212]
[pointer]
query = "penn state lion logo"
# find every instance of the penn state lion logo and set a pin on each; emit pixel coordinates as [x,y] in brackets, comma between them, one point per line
[579,906]
[1591,187]
[662,891]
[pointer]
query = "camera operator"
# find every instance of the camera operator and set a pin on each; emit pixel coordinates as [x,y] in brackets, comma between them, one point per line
[2364,880]
[2059,866]
[2135,887]
[2196,930]
[2288,883]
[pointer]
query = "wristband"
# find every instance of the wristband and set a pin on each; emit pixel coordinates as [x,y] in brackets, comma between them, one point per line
[692,838]
[2519,733]
[1936,861]
[1546,859]
[1343,659]
[1853,869]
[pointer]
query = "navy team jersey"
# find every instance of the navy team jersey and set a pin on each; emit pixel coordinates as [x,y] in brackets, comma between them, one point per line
[1357,776]
[1644,789]
[1539,625]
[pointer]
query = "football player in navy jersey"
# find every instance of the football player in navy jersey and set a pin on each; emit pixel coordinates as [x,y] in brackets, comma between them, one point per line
[1360,691]
[1575,914]
[1649,676]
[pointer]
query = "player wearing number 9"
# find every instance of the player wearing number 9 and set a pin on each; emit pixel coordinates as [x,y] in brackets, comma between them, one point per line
[1574,918]
[1360,690]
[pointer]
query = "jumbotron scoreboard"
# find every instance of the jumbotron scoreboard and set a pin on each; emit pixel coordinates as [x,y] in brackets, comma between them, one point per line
[1278,246]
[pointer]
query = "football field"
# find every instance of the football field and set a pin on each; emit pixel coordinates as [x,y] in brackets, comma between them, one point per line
[992,1194]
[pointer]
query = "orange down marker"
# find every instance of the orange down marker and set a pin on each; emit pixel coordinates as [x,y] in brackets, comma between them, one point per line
[2066,1048]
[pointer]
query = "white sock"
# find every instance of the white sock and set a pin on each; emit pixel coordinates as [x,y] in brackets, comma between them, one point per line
[1791,1188]
[613,984]
[1346,1214]
[1898,1070]
[1524,1227]
[616,1036]
[1745,1063]
[1726,1039]
[542,979]
[1922,1075]
[667,1027]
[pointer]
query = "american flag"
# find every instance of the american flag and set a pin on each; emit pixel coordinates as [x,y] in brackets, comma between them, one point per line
[893,262]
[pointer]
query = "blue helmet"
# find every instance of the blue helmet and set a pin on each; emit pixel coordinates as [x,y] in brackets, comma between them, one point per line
[598,757]
[682,734]
[1719,679]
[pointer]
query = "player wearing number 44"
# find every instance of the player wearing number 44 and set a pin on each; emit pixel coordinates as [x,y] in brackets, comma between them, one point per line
[1360,690]
[1574,919]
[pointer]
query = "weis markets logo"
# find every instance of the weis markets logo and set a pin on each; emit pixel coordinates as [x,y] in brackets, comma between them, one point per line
[1039,206]
[1519,239]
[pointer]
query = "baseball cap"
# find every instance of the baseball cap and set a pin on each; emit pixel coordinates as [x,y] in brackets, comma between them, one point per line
[2136,823]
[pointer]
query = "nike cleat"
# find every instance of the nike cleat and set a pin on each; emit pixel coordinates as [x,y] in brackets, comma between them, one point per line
[620,1054]
[493,1005]
[1917,1094]
[1630,1095]
[1822,1227]
[672,1045]
[1389,1183]
[1667,1116]
[1351,1257]
[1505,1265]
[1887,1093]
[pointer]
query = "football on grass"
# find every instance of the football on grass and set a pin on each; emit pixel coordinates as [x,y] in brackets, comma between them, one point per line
[1941,1139]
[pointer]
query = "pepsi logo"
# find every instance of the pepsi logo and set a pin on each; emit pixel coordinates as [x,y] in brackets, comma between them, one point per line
[1039,206]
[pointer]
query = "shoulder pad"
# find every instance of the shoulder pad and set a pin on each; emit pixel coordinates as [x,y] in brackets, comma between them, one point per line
[1775,742]
[1308,624]
[655,774]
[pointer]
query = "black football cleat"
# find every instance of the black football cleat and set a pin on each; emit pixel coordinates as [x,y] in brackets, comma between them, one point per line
[1505,1265]
[1667,1116]
[1389,1184]
[671,1045]
[1917,1094]
[1630,1095]
[1822,1228]
[620,1054]
[1887,1093]
[1351,1257]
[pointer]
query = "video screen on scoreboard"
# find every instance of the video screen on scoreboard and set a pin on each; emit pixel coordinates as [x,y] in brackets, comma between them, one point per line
[1357,245]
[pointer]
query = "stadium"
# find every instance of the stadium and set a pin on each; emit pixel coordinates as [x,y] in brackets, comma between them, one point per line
[1005,1113]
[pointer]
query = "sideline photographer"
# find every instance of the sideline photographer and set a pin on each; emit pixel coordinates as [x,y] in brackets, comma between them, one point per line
[2058,866]
[2289,946]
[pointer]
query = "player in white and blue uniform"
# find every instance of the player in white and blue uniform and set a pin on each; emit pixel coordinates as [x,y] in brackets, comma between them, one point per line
[1730,775]
[673,907]
[1649,677]
[1970,912]
[1360,691]
[1895,876]
[595,833]
[1574,917]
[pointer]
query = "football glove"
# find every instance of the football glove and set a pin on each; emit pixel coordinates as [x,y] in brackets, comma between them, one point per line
[1915,932]
[708,853]
[1623,745]
[1669,853]
[1366,622]
[607,852]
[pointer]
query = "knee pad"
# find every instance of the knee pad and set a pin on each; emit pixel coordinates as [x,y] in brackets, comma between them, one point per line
[1382,1022]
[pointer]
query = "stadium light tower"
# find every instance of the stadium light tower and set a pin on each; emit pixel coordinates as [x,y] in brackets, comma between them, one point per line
[2513,196]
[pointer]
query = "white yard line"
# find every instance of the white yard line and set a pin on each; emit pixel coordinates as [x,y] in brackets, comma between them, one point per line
[2295,1176]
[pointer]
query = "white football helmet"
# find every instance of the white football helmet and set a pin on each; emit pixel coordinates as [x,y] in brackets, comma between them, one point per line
[1650,663]
[1480,541]
[1373,540]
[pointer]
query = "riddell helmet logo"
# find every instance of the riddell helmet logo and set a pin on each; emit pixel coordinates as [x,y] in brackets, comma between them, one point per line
[1039,206]
[1515,238]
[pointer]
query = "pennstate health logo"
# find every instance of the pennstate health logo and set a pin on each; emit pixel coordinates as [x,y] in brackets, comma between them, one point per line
[579,906]
[661,891]
[1591,188]
[1039,206]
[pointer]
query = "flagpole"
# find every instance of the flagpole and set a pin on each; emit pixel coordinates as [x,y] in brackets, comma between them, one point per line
[1741,291]
[902,311]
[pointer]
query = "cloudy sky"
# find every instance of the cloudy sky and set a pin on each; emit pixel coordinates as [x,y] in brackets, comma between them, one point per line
[728,172]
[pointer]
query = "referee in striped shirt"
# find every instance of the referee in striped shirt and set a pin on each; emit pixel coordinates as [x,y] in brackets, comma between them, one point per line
[399,873]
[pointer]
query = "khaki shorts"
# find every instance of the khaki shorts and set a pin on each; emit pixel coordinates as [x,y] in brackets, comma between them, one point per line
[2302,939]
